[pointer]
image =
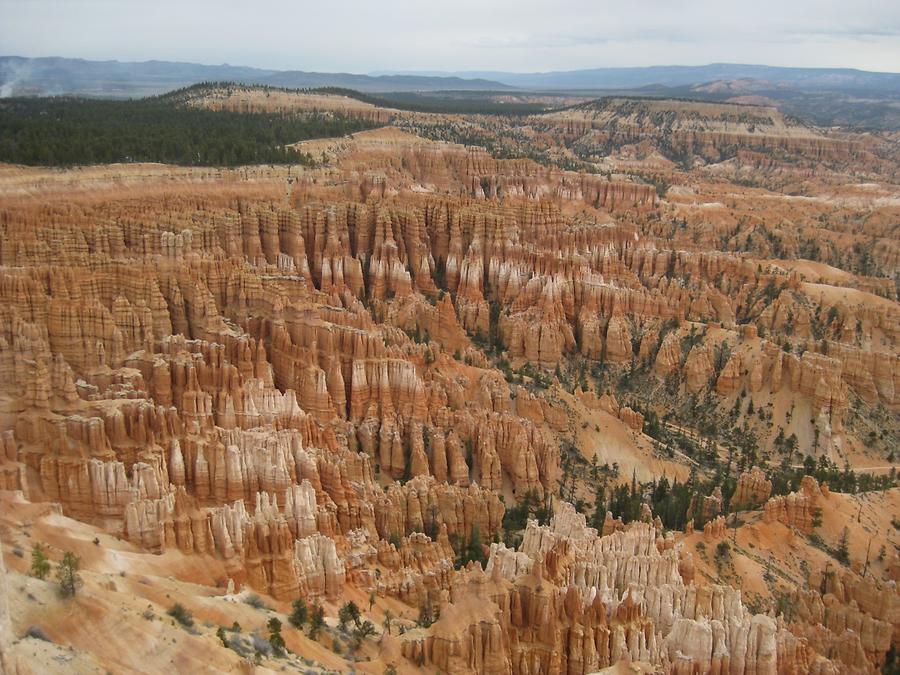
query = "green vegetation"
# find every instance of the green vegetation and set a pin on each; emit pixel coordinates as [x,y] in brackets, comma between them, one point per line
[473,550]
[426,614]
[181,614]
[40,566]
[67,575]
[842,553]
[676,503]
[516,517]
[361,632]
[348,612]
[72,131]
[299,614]
[825,471]
[723,554]
[457,103]
[275,639]
[316,621]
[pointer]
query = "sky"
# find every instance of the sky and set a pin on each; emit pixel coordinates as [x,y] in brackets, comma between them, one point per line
[362,36]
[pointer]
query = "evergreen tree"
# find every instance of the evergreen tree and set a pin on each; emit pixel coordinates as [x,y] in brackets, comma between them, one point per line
[473,550]
[426,614]
[40,566]
[67,131]
[316,621]
[842,553]
[299,613]
[361,632]
[275,638]
[67,575]
[348,612]
[599,516]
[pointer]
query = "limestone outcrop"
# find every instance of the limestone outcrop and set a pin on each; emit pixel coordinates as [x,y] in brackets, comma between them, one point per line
[752,490]
[796,509]
[572,601]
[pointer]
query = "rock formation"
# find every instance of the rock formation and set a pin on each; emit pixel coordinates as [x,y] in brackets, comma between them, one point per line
[752,490]
[349,380]
[796,509]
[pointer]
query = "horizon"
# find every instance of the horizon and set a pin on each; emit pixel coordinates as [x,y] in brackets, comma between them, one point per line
[396,35]
[459,73]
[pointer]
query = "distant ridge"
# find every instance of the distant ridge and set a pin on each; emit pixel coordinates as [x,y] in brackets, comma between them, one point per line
[825,96]
[49,76]
[840,79]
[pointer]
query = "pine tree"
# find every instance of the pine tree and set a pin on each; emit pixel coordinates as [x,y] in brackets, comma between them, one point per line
[426,613]
[361,632]
[67,575]
[348,612]
[474,550]
[299,613]
[843,548]
[275,638]
[40,566]
[316,621]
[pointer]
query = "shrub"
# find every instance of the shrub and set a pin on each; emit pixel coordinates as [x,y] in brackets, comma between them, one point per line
[784,605]
[37,633]
[255,601]
[237,645]
[817,517]
[261,645]
[181,614]
[723,550]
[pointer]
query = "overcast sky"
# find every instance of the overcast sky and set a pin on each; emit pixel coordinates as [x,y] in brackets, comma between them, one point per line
[516,35]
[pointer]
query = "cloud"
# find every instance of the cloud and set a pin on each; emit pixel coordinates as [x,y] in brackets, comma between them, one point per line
[520,35]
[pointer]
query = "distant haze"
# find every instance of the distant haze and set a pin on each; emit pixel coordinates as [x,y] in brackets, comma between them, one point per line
[362,36]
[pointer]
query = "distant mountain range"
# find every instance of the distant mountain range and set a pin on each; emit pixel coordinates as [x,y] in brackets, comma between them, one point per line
[54,75]
[842,79]
[115,79]
[825,96]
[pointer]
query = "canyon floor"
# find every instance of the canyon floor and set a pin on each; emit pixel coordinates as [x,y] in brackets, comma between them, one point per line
[612,387]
